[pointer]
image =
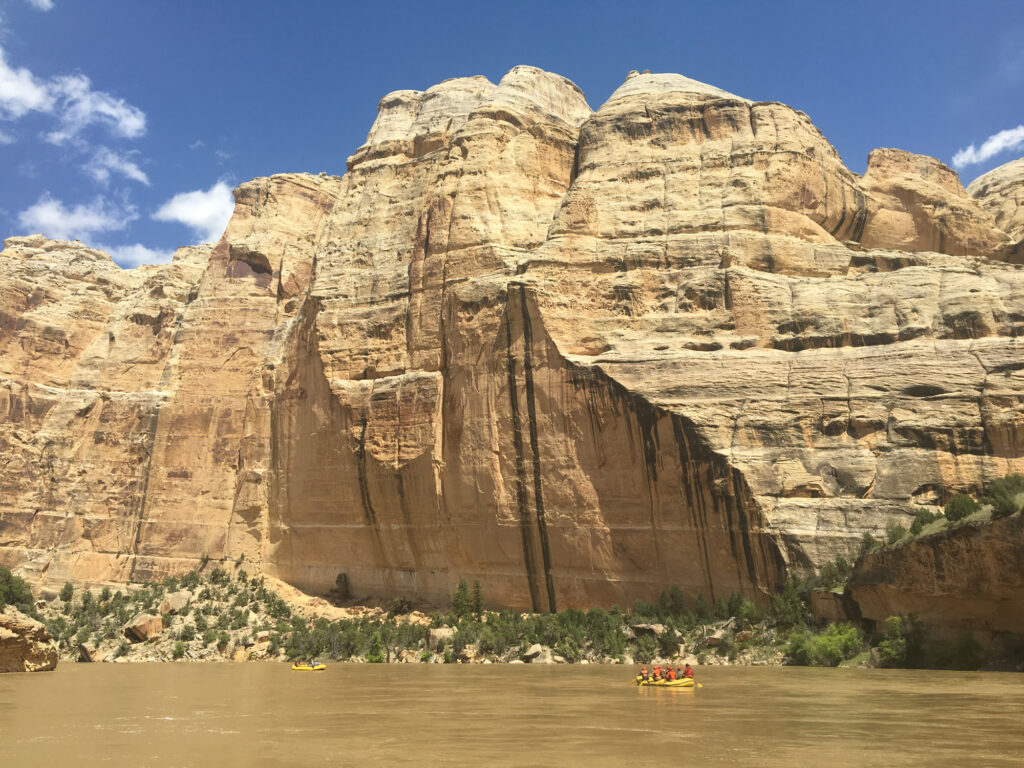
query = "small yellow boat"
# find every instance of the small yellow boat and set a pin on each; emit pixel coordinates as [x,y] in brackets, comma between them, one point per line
[683,682]
[300,667]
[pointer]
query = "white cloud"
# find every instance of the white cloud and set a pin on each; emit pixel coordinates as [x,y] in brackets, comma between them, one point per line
[196,144]
[50,217]
[71,99]
[81,106]
[22,92]
[205,213]
[129,256]
[41,5]
[1011,138]
[106,161]
[6,138]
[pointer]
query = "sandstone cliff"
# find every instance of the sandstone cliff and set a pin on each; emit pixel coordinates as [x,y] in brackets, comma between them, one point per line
[578,355]
[969,579]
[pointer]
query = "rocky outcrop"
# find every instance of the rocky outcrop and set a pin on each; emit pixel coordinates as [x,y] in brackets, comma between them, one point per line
[175,602]
[968,579]
[25,645]
[1000,192]
[580,356]
[143,627]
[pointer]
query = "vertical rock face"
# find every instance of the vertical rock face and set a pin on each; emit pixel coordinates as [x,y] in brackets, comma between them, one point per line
[580,356]
[970,579]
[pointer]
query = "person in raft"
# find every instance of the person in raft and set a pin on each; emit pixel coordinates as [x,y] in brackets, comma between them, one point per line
[688,672]
[670,675]
[643,673]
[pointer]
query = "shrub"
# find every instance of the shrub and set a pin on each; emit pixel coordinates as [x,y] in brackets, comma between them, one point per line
[789,607]
[922,517]
[834,574]
[645,649]
[179,650]
[836,644]
[959,507]
[399,607]
[67,592]
[894,531]
[375,655]
[219,576]
[868,543]
[1006,495]
[188,632]
[893,647]
[15,591]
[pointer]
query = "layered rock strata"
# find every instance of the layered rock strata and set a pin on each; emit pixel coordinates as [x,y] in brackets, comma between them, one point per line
[580,356]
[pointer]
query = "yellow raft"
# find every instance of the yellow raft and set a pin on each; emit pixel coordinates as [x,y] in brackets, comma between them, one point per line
[309,667]
[683,682]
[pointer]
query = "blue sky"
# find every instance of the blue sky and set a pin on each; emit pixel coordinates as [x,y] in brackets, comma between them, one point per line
[125,123]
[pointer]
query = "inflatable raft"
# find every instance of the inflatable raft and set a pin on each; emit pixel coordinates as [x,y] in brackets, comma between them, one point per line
[683,682]
[309,667]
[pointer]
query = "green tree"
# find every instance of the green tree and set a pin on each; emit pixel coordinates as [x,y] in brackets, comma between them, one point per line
[893,647]
[375,654]
[179,650]
[14,591]
[959,507]
[894,532]
[67,593]
[462,604]
[478,600]
[1006,495]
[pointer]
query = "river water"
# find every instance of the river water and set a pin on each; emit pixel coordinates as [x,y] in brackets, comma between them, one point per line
[364,715]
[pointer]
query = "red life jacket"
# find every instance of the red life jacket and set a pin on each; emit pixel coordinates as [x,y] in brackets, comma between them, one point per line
[688,672]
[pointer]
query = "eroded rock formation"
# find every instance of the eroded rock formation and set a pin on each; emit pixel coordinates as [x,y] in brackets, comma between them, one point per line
[25,645]
[580,356]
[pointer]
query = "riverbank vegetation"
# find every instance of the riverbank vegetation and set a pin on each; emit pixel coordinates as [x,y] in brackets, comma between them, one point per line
[221,612]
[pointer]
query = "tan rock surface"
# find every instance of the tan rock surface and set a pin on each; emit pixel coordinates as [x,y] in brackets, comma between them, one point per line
[1001,193]
[579,356]
[25,645]
[970,579]
[143,627]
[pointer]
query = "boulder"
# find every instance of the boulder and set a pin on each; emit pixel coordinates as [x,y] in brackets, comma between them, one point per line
[539,654]
[716,638]
[90,655]
[439,637]
[175,602]
[25,645]
[144,626]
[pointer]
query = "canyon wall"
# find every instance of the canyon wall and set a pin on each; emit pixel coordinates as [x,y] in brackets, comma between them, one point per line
[580,356]
[969,579]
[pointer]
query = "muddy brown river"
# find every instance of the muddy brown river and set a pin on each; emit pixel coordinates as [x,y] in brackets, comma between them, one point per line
[364,715]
